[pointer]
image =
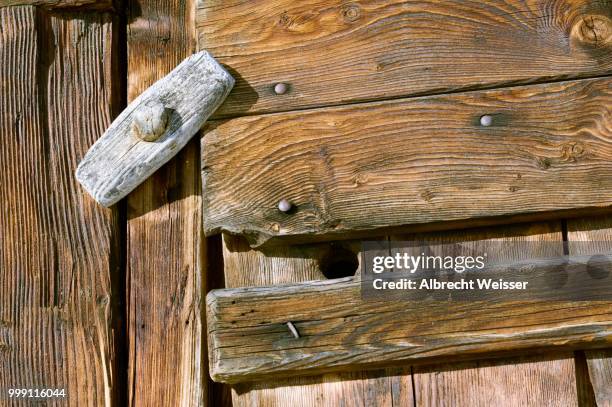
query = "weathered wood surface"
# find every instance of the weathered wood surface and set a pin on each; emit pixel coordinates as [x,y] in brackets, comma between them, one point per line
[284,264]
[334,52]
[415,161]
[59,249]
[61,4]
[507,380]
[279,265]
[600,373]
[381,388]
[125,156]
[536,380]
[599,232]
[530,380]
[249,339]
[165,255]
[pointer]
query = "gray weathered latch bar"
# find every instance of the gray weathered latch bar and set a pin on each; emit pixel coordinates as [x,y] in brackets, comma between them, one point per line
[153,128]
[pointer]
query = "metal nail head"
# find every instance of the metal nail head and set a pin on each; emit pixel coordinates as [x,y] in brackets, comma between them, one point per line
[280,88]
[284,206]
[486,120]
[293,330]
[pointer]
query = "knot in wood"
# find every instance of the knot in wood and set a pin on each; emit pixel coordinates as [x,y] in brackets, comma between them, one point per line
[150,120]
[593,30]
[350,13]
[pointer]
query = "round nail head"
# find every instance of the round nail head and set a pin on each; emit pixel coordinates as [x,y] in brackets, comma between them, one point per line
[284,206]
[280,88]
[486,120]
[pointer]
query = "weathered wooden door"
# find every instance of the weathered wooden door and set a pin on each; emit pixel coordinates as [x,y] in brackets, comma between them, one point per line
[108,304]
[366,115]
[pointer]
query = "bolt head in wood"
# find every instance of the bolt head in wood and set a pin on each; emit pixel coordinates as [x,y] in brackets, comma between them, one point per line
[150,121]
[486,120]
[280,88]
[284,206]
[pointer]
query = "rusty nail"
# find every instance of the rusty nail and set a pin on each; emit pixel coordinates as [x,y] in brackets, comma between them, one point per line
[280,88]
[293,330]
[284,206]
[486,120]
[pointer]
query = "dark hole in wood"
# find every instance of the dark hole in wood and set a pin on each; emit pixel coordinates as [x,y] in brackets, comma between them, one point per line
[339,262]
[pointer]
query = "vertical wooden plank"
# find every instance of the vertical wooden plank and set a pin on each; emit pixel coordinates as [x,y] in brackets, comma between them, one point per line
[512,381]
[244,266]
[600,373]
[526,381]
[599,362]
[164,231]
[59,248]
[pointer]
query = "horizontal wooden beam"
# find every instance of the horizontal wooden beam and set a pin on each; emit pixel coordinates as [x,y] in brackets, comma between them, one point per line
[321,326]
[330,52]
[486,154]
[59,4]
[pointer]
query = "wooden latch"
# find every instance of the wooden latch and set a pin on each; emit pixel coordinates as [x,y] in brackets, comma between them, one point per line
[153,128]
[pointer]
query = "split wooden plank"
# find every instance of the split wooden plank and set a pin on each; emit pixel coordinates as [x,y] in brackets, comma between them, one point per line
[335,52]
[165,254]
[61,4]
[368,167]
[60,250]
[153,128]
[527,380]
[284,264]
[339,330]
[598,231]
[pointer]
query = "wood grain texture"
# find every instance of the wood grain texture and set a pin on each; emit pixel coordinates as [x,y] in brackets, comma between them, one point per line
[509,377]
[600,373]
[408,162]
[522,381]
[527,380]
[339,330]
[277,265]
[286,264]
[120,160]
[599,232]
[335,52]
[165,254]
[61,4]
[380,388]
[60,250]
